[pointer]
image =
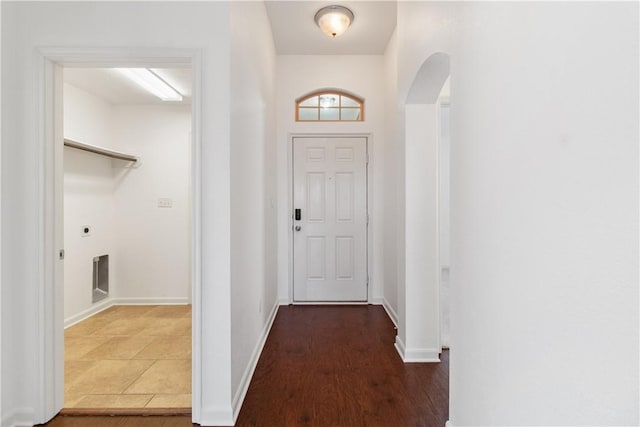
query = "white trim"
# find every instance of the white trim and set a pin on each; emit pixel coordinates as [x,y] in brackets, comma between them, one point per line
[152,301]
[216,416]
[376,301]
[110,302]
[416,355]
[448,423]
[241,393]
[390,312]
[284,301]
[85,314]
[369,173]
[196,233]
[49,342]
[21,417]
[330,303]
[399,345]
[1,240]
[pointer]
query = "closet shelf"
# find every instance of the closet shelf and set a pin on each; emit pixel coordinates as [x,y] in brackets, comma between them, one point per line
[99,150]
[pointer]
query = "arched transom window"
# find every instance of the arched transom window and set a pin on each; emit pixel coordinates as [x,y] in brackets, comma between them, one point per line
[329,106]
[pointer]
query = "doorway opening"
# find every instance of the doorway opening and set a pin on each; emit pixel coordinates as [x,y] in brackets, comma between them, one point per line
[127,241]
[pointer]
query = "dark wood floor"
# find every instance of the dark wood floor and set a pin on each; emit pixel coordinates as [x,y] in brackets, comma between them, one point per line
[337,366]
[327,366]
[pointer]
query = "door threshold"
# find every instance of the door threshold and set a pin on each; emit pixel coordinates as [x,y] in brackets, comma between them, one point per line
[330,303]
[78,412]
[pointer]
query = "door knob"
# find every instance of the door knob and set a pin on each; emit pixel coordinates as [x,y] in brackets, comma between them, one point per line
[298,228]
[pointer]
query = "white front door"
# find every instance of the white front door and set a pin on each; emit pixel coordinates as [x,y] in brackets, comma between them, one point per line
[330,219]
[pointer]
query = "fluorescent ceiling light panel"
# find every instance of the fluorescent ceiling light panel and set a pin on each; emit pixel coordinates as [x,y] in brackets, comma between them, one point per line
[152,83]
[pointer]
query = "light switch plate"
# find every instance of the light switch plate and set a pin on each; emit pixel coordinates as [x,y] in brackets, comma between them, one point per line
[165,202]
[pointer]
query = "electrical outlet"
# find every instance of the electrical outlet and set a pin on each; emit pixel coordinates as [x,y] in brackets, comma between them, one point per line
[165,202]
[86,231]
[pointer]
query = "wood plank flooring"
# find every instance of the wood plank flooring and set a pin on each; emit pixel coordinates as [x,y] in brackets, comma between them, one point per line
[337,366]
[327,366]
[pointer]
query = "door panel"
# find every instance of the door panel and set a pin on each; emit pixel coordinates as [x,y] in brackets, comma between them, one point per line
[330,239]
[316,198]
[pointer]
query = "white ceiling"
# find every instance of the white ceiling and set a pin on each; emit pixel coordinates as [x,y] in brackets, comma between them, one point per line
[115,88]
[296,33]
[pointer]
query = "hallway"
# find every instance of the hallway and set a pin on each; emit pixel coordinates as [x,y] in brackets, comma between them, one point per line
[336,365]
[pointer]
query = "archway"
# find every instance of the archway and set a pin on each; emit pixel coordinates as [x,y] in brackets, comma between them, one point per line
[418,337]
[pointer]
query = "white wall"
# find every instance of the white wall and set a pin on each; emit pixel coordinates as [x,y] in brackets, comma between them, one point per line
[1,325]
[393,191]
[88,198]
[253,190]
[544,202]
[444,215]
[153,244]
[418,326]
[25,28]
[362,75]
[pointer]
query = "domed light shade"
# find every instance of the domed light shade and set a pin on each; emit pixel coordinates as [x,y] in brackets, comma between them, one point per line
[334,20]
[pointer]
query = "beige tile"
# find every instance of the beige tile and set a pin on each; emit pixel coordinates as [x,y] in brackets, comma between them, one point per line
[87,326]
[170,311]
[98,373]
[113,401]
[128,326]
[174,347]
[110,312]
[170,401]
[119,347]
[75,347]
[173,327]
[108,376]
[130,311]
[70,399]
[164,377]
[74,368]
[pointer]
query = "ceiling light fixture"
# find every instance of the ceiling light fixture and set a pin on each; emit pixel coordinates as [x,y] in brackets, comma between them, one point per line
[334,20]
[149,81]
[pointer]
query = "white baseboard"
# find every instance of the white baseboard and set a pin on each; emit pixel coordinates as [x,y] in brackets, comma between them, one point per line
[399,345]
[216,416]
[103,305]
[417,355]
[95,309]
[330,303]
[152,301]
[375,301]
[253,362]
[284,301]
[448,424]
[390,312]
[22,417]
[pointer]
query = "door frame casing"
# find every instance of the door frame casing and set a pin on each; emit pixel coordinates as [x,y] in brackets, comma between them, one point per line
[50,340]
[369,174]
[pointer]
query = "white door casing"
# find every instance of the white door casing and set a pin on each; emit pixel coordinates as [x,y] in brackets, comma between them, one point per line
[330,238]
[50,292]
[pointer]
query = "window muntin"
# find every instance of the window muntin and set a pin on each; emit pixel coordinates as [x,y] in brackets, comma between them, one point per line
[329,106]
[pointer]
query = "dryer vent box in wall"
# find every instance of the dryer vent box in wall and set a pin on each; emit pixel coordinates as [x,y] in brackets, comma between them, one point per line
[100,278]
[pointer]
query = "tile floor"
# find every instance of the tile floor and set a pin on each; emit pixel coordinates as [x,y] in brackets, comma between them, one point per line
[130,356]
